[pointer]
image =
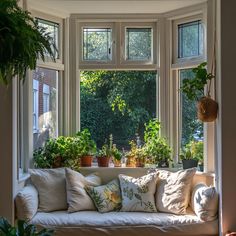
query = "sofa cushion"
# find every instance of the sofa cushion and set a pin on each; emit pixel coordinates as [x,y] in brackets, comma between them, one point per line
[51,186]
[204,202]
[173,190]
[138,193]
[77,197]
[93,223]
[106,197]
[26,202]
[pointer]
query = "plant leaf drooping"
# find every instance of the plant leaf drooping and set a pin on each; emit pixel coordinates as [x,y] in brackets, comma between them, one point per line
[22,42]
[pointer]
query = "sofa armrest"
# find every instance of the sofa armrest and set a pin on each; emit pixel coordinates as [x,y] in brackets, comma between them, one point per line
[26,203]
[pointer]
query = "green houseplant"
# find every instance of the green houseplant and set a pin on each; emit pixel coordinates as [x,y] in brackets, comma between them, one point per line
[59,152]
[117,156]
[105,153]
[86,147]
[22,41]
[156,147]
[22,228]
[194,90]
[192,154]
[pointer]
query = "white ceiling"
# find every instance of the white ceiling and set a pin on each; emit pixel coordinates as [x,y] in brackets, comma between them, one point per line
[110,6]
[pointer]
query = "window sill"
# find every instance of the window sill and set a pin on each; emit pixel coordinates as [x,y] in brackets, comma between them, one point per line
[23,177]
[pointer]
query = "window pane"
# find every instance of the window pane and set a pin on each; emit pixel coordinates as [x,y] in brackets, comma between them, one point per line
[190,39]
[138,44]
[191,128]
[118,103]
[45,105]
[97,44]
[53,29]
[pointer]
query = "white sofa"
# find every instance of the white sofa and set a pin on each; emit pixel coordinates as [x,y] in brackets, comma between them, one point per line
[93,223]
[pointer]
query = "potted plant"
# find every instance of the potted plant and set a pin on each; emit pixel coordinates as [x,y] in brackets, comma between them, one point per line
[131,155]
[104,155]
[117,156]
[197,150]
[20,49]
[192,154]
[58,152]
[86,148]
[194,90]
[156,147]
[22,228]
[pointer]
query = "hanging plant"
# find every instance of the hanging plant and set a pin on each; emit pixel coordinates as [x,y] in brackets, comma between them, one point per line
[194,90]
[22,41]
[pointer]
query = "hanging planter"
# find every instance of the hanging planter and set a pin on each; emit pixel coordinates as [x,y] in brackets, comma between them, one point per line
[193,88]
[207,109]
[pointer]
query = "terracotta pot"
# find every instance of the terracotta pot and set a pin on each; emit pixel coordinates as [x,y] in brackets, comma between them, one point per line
[103,161]
[57,162]
[86,161]
[117,163]
[130,161]
[140,163]
[207,109]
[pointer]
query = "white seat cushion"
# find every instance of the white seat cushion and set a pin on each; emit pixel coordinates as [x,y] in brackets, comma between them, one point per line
[124,223]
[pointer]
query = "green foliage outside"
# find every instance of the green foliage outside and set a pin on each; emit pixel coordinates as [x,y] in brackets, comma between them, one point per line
[118,103]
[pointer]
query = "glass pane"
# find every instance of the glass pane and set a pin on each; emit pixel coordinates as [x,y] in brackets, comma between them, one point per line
[53,29]
[45,105]
[117,103]
[190,39]
[191,128]
[138,44]
[97,44]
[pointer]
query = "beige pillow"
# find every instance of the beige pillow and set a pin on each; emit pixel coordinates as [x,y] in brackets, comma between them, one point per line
[173,190]
[77,197]
[138,193]
[204,202]
[51,186]
[26,203]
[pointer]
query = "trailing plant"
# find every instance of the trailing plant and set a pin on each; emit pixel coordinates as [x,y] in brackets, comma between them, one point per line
[23,228]
[86,145]
[22,41]
[156,147]
[59,152]
[194,87]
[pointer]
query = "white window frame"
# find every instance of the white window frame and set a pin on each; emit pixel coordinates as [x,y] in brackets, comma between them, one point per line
[187,61]
[35,104]
[96,25]
[138,25]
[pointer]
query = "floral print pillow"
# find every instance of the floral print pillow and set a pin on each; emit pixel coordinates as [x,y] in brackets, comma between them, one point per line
[106,197]
[138,194]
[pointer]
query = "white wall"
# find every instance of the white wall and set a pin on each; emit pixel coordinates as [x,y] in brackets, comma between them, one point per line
[226,125]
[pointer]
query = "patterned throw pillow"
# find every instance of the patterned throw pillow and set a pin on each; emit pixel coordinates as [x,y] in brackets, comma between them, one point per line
[138,194]
[106,197]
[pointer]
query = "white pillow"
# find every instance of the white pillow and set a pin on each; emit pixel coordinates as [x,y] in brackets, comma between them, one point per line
[77,197]
[138,193]
[204,202]
[173,190]
[51,186]
[26,203]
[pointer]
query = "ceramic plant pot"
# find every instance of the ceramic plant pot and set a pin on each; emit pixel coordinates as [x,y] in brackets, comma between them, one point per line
[103,161]
[86,161]
[187,164]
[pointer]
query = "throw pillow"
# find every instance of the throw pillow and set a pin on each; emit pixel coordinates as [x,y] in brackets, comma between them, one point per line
[106,197]
[26,203]
[204,202]
[173,190]
[77,197]
[51,186]
[138,193]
